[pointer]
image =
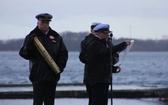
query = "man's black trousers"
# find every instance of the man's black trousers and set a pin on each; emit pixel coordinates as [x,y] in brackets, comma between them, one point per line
[44,92]
[98,94]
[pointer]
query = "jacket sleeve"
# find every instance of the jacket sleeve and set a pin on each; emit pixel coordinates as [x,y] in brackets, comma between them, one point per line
[83,53]
[119,48]
[27,49]
[63,55]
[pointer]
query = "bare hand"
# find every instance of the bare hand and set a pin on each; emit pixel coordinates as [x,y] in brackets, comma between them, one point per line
[128,42]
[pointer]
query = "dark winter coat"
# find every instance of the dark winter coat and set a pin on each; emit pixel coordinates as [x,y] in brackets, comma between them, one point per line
[98,55]
[39,69]
[83,55]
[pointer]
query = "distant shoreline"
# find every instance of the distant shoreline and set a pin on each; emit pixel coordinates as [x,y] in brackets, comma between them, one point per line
[73,40]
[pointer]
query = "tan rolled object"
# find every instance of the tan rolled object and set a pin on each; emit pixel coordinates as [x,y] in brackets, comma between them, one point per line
[46,55]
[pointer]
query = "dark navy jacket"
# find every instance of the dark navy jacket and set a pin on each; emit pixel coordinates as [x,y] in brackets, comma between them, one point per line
[98,55]
[39,69]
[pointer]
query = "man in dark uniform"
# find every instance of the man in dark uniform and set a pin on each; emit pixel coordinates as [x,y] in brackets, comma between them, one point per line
[43,78]
[83,58]
[98,63]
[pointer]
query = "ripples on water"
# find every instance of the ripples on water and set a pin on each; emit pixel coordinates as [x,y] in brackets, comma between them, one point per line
[138,69]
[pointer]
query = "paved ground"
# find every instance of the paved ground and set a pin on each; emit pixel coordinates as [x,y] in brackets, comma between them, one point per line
[79,101]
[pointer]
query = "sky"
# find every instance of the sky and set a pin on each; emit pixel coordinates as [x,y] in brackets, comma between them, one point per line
[139,19]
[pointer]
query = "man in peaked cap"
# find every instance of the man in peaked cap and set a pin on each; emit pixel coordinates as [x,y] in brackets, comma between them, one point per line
[83,58]
[43,78]
[98,63]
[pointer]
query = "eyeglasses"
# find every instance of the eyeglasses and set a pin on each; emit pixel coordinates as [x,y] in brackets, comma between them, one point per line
[106,32]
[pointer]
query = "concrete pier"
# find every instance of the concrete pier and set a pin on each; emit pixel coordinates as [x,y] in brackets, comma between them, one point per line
[79,91]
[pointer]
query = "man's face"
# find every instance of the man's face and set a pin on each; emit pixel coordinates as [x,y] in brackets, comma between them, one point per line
[43,25]
[104,35]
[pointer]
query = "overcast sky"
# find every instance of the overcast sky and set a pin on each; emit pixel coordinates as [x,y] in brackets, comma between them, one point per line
[142,19]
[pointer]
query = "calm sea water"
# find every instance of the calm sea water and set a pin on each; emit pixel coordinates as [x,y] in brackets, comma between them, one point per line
[138,69]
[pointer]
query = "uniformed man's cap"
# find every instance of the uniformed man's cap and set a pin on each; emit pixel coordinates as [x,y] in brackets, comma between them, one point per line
[102,28]
[94,24]
[44,17]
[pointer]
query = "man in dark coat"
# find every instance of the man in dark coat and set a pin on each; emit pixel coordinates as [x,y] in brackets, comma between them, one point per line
[83,58]
[43,78]
[98,55]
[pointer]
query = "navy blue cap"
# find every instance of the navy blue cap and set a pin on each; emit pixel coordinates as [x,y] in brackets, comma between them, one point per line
[44,17]
[94,24]
[102,28]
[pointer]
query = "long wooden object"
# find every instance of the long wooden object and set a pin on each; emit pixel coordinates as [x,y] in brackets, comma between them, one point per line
[46,55]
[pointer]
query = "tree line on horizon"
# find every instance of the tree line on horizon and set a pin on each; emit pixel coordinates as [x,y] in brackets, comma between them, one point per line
[73,39]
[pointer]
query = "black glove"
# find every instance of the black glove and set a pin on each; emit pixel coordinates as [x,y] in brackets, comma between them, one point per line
[30,38]
[29,41]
